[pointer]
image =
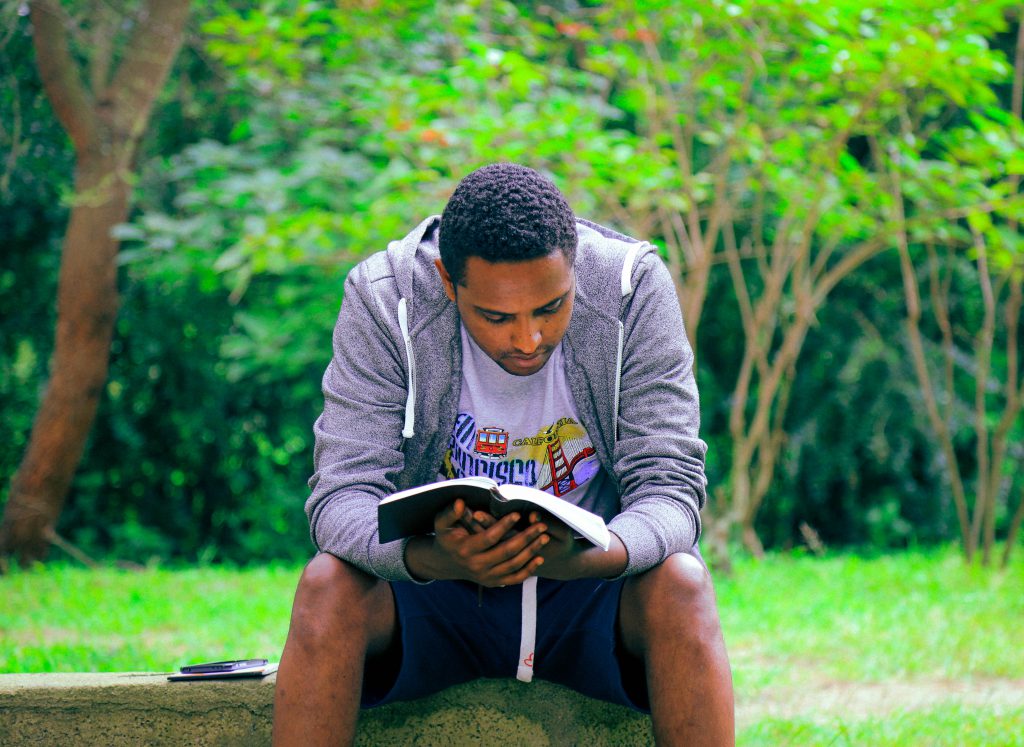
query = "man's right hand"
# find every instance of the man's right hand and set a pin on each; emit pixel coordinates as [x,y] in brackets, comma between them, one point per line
[486,556]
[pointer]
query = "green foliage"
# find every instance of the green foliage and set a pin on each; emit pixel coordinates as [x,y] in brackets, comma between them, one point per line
[34,176]
[295,138]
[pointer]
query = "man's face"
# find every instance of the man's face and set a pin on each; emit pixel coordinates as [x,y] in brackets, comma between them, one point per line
[517,312]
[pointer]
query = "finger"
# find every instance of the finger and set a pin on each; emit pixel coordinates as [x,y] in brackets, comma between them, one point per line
[469,521]
[484,519]
[557,529]
[530,569]
[481,542]
[449,517]
[507,549]
[523,558]
[503,525]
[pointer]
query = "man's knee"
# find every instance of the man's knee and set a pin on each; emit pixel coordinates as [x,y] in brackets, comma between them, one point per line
[675,595]
[333,596]
[679,579]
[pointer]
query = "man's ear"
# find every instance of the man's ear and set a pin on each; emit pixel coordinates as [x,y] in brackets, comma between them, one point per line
[446,279]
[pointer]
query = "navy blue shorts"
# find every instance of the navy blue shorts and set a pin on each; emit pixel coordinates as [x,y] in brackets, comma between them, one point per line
[448,638]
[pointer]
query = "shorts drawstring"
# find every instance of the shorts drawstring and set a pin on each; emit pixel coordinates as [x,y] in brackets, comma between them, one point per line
[528,635]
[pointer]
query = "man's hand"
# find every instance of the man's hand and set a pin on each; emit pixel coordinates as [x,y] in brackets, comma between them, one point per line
[565,557]
[491,553]
[564,553]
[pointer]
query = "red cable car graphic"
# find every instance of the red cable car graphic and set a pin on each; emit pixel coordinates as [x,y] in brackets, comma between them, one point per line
[491,442]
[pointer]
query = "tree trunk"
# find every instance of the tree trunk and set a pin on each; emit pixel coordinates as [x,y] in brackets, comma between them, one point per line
[87,302]
[105,126]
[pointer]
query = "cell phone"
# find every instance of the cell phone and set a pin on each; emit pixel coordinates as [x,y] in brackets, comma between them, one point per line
[222,666]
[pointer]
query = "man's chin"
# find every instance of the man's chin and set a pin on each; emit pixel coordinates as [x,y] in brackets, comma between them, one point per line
[524,366]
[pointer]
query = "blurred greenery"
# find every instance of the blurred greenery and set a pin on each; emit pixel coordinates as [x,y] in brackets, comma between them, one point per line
[296,137]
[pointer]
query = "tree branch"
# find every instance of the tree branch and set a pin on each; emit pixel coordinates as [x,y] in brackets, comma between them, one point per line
[147,61]
[1017,99]
[60,75]
[983,357]
[912,298]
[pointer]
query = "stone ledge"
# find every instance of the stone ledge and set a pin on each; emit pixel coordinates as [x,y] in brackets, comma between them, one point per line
[144,708]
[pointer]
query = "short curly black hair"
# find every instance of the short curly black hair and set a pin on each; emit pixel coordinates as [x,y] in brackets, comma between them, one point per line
[505,212]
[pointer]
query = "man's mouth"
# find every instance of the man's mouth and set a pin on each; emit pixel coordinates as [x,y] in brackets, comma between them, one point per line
[517,360]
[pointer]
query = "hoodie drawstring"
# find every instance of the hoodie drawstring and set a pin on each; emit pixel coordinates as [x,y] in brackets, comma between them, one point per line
[626,288]
[410,400]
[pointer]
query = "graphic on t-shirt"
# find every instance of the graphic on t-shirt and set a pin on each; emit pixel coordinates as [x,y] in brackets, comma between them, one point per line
[491,442]
[566,461]
[558,459]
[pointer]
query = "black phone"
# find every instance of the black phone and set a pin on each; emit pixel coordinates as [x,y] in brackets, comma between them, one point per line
[222,666]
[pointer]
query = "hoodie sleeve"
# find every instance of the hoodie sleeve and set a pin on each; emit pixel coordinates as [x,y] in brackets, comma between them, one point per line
[659,458]
[358,449]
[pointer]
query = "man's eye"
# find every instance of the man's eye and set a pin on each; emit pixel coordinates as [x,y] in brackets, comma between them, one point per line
[495,319]
[553,308]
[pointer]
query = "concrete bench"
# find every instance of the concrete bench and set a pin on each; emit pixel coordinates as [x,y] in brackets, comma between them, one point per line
[146,709]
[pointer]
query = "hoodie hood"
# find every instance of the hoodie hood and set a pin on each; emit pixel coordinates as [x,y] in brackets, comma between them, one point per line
[601,253]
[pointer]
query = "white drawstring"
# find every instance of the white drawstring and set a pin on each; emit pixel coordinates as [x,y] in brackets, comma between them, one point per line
[528,634]
[627,267]
[618,384]
[410,400]
[626,287]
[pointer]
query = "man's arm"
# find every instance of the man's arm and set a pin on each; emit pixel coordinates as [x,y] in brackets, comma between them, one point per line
[659,456]
[358,436]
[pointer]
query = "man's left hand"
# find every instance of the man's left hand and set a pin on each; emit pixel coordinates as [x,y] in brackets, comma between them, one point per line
[565,557]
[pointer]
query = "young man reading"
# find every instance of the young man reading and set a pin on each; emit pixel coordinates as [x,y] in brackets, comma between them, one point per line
[509,339]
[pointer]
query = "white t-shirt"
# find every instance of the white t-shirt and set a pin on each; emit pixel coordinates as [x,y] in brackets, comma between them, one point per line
[525,430]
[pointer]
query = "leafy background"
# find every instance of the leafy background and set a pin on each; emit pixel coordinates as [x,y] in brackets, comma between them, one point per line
[295,138]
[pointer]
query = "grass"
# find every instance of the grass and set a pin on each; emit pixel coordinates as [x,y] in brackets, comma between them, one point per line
[948,726]
[69,619]
[910,615]
[793,624]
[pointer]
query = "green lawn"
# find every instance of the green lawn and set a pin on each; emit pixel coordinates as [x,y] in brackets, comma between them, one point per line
[69,619]
[794,625]
[946,726]
[846,617]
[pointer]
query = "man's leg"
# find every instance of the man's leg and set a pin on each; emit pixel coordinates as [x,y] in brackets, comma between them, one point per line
[668,618]
[340,617]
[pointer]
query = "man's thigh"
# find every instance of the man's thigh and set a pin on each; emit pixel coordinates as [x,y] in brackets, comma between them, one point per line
[578,644]
[448,632]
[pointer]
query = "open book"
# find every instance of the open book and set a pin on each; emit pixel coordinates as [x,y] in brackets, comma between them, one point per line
[411,512]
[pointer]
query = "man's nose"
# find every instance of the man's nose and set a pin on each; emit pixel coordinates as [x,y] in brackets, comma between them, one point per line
[526,337]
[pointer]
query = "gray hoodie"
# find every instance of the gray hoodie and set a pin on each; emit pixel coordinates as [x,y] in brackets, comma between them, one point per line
[391,394]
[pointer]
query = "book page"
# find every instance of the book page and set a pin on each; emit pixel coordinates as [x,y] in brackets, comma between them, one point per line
[586,523]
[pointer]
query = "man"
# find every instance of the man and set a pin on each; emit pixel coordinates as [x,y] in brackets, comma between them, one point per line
[510,339]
